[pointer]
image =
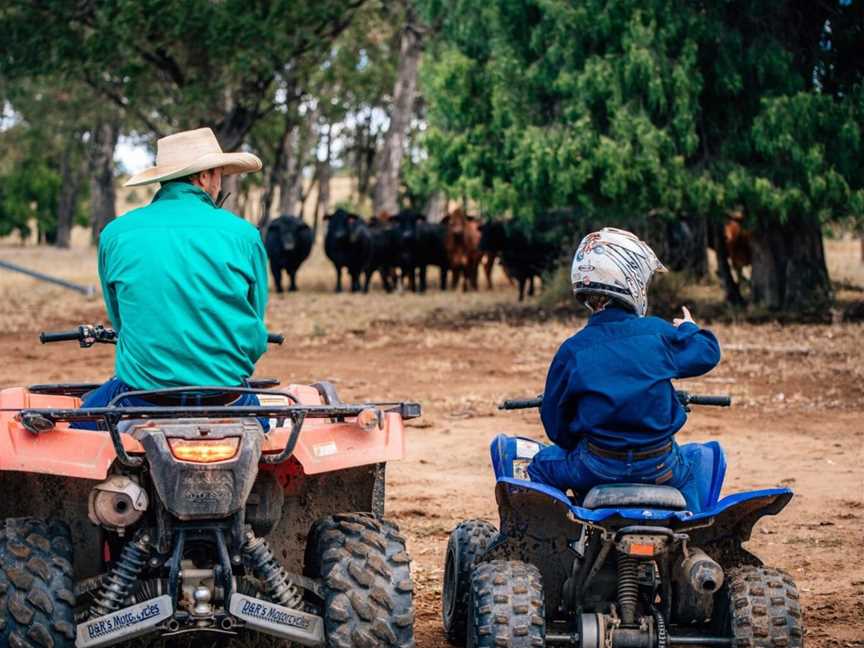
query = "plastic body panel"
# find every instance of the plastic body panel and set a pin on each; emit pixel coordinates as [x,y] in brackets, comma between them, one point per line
[722,512]
[324,446]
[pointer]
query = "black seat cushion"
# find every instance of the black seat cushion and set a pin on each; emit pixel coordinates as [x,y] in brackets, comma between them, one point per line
[634,496]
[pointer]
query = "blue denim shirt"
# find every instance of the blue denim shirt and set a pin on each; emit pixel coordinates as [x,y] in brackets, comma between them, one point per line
[612,381]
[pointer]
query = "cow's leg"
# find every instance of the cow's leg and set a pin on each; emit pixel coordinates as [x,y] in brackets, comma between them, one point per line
[338,279]
[276,271]
[423,278]
[522,281]
[367,281]
[443,279]
[454,282]
[355,282]
[488,265]
[293,277]
[531,286]
[387,279]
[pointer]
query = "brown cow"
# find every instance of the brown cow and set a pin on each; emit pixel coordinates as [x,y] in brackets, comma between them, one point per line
[737,241]
[462,242]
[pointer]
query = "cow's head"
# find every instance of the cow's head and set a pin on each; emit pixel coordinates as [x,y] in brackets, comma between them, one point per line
[289,229]
[342,226]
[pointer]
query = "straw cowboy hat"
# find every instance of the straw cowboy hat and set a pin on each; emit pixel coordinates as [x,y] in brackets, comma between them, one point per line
[189,152]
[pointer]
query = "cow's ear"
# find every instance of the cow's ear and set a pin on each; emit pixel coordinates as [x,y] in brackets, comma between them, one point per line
[327,217]
[445,220]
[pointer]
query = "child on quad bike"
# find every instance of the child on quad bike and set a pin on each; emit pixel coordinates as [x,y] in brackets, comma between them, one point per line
[609,404]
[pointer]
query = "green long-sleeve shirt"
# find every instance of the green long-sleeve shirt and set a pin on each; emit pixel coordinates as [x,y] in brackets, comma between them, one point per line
[185,286]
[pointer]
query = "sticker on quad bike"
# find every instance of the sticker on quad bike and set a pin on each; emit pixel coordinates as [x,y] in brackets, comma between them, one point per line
[124,624]
[279,621]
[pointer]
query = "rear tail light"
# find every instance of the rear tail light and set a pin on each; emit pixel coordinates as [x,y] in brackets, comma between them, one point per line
[204,450]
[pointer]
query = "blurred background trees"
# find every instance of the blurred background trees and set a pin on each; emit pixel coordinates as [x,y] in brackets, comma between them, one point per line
[652,115]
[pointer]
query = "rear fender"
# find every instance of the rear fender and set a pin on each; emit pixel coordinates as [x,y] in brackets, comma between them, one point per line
[63,451]
[324,446]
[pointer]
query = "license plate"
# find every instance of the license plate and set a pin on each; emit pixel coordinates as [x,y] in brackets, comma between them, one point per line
[124,624]
[269,618]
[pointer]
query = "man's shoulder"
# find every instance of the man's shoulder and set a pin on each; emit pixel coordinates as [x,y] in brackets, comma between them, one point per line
[124,222]
[237,223]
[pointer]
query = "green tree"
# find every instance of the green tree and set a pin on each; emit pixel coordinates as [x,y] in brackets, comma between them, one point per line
[620,109]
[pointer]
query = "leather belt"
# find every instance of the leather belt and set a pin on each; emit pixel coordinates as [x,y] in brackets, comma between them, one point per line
[624,455]
[192,399]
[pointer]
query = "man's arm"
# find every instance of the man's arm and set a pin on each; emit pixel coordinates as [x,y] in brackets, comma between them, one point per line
[696,350]
[109,295]
[259,290]
[557,410]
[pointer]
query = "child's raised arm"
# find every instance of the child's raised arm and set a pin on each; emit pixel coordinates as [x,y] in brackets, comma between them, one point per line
[696,350]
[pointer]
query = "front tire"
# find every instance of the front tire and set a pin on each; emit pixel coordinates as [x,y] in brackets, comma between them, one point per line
[507,607]
[366,575]
[759,608]
[37,597]
[467,542]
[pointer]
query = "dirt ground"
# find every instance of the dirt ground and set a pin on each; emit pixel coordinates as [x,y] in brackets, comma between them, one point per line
[797,419]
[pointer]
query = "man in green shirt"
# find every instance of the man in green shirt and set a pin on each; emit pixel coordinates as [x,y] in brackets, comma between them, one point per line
[184,281]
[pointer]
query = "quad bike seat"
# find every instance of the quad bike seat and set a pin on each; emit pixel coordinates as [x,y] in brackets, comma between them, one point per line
[648,496]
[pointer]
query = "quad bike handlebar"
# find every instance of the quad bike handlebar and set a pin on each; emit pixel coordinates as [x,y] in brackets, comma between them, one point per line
[684,397]
[89,334]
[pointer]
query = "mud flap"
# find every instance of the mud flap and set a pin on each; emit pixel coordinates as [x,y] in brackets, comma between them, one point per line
[285,623]
[124,624]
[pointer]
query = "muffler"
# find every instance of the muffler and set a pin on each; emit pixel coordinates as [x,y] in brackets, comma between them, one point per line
[703,574]
[278,621]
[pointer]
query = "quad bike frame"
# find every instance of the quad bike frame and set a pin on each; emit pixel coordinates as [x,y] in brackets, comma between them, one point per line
[137,528]
[622,566]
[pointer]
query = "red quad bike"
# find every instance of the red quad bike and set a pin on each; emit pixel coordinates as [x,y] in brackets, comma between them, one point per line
[190,522]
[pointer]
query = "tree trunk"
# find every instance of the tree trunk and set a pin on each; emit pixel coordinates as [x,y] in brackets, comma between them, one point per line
[277,172]
[70,178]
[102,195]
[436,210]
[789,270]
[389,161]
[292,168]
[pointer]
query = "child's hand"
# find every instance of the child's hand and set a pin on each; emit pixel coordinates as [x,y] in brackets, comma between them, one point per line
[678,321]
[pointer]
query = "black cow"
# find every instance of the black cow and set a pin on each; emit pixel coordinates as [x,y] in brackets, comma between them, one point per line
[288,243]
[421,244]
[385,252]
[528,251]
[348,244]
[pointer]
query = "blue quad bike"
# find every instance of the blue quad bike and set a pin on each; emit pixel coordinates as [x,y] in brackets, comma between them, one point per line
[621,566]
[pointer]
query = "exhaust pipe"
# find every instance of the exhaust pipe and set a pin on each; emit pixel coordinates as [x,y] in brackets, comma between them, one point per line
[701,571]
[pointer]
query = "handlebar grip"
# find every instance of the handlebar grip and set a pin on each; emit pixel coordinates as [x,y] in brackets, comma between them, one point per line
[526,403]
[275,338]
[717,401]
[60,336]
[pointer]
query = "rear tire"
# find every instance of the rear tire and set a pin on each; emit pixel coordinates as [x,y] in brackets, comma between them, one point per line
[759,608]
[467,542]
[366,575]
[37,598]
[507,607]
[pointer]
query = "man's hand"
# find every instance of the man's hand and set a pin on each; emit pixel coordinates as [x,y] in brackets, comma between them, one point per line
[678,321]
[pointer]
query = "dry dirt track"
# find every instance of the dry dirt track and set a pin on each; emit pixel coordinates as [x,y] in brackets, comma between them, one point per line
[798,418]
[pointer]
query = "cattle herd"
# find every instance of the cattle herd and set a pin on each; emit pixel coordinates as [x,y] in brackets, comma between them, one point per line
[400,248]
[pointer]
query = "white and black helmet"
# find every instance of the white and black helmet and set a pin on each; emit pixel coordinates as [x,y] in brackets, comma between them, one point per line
[615,263]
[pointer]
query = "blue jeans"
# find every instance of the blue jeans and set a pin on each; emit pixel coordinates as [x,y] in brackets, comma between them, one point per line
[101,396]
[581,470]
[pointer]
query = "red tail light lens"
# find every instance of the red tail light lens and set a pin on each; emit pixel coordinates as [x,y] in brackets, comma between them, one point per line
[204,450]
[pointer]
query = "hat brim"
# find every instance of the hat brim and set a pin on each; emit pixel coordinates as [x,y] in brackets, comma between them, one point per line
[230,163]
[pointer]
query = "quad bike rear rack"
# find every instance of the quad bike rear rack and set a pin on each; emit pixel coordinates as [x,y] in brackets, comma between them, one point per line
[40,420]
